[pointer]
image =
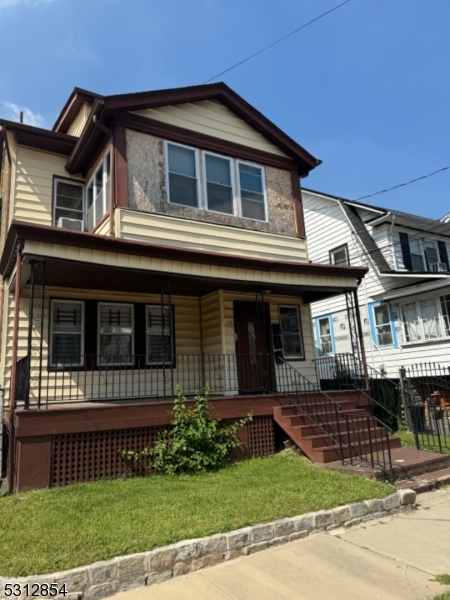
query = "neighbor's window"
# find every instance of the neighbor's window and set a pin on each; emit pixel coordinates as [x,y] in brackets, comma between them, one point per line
[411,322]
[430,319]
[159,338]
[445,307]
[382,325]
[324,334]
[339,255]
[252,193]
[183,177]
[417,258]
[115,341]
[219,185]
[66,339]
[432,254]
[98,193]
[291,332]
[68,204]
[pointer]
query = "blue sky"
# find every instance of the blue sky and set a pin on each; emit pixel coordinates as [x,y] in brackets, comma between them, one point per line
[366,89]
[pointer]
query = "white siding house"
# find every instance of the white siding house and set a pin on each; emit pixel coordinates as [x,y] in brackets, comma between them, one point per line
[404,298]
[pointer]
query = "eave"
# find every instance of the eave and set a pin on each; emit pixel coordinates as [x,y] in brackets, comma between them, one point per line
[42,139]
[20,232]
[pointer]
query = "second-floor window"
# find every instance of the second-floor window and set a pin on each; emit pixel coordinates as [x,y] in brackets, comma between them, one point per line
[98,193]
[68,209]
[339,255]
[420,254]
[231,187]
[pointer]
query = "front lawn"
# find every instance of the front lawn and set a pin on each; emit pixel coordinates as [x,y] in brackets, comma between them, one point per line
[426,443]
[63,528]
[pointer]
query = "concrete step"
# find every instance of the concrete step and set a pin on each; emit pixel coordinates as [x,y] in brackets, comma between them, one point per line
[427,481]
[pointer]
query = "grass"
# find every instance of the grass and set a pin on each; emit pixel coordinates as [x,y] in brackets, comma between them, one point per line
[63,528]
[444,579]
[408,440]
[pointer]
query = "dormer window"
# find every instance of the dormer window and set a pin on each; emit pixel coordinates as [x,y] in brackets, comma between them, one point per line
[98,193]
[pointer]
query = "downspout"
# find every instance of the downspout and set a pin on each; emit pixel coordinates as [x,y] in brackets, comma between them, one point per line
[12,387]
[112,191]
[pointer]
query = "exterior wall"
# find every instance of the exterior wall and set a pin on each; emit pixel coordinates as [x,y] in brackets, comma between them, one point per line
[396,247]
[147,190]
[173,231]
[103,229]
[77,125]
[211,319]
[383,239]
[33,184]
[327,228]
[212,118]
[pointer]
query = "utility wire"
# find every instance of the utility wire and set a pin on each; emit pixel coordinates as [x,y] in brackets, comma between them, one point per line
[403,184]
[277,41]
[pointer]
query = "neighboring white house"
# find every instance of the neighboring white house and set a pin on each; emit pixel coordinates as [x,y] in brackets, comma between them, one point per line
[405,297]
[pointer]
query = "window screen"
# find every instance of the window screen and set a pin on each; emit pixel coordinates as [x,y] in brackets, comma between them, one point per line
[182,175]
[115,333]
[219,189]
[252,192]
[67,332]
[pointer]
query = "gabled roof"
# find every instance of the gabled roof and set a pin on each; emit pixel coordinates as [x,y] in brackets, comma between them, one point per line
[72,107]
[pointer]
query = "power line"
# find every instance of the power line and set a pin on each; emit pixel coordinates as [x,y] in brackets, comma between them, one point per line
[403,184]
[278,41]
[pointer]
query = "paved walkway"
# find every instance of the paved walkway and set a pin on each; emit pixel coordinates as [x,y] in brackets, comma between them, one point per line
[395,558]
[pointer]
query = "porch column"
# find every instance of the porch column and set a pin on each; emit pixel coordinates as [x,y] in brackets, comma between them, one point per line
[360,337]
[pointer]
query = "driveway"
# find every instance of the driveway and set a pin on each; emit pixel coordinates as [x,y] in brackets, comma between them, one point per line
[393,558]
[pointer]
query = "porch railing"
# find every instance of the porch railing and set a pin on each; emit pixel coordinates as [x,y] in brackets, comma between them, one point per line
[347,372]
[94,377]
[426,392]
[359,438]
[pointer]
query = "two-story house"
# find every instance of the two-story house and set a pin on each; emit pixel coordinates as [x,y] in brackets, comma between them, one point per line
[405,296]
[151,240]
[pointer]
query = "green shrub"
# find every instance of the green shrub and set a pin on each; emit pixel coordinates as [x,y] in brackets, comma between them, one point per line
[194,443]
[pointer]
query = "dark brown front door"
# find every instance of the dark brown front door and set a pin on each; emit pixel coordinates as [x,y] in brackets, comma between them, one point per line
[252,350]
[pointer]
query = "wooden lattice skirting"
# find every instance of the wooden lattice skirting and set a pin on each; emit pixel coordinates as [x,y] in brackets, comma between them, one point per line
[97,455]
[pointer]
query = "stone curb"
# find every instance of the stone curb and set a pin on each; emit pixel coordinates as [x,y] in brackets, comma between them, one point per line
[105,578]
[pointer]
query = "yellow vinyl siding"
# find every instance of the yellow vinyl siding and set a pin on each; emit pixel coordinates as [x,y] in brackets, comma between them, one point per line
[104,227]
[77,125]
[187,330]
[33,185]
[184,233]
[212,323]
[212,118]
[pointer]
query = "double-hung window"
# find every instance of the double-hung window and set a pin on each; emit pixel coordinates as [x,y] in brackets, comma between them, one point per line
[413,332]
[68,203]
[339,255]
[430,319]
[445,307]
[115,333]
[382,325]
[252,192]
[432,254]
[67,326]
[325,336]
[159,334]
[182,175]
[291,332]
[219,184]
[417,258]
[98,193]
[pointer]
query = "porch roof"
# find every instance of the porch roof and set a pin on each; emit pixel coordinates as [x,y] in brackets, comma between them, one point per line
[99,262]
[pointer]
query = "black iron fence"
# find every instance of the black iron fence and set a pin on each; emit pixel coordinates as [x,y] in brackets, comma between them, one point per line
[426,392]
[347,372]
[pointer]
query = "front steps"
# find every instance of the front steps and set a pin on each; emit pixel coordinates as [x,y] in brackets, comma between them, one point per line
[354,436]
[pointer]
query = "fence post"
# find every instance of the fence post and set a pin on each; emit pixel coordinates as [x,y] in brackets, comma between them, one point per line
[410,416]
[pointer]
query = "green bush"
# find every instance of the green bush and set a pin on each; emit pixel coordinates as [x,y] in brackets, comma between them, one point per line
[194,443]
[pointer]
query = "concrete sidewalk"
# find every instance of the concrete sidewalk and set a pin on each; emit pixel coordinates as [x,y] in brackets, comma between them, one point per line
[390,559]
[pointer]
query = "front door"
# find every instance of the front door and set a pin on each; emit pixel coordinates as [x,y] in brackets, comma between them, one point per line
[252,349]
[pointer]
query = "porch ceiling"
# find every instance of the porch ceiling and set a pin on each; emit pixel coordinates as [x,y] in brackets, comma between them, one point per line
[69,274]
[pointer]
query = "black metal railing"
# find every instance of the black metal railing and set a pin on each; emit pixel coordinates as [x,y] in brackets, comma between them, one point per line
[359,438]
[93,377]
[23,380]
[426,392]
[347,372]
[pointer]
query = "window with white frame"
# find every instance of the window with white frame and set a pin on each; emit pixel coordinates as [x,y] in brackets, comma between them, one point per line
[426,320]
[417,257]
[68,202]
[115,333]
[182,175]
[252,192]
[186,167]
[432,254]
[291,332]
[219,184]
[98,193]
[339,255]
[324,332]
[66,336]
[159,339]
[382,325]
